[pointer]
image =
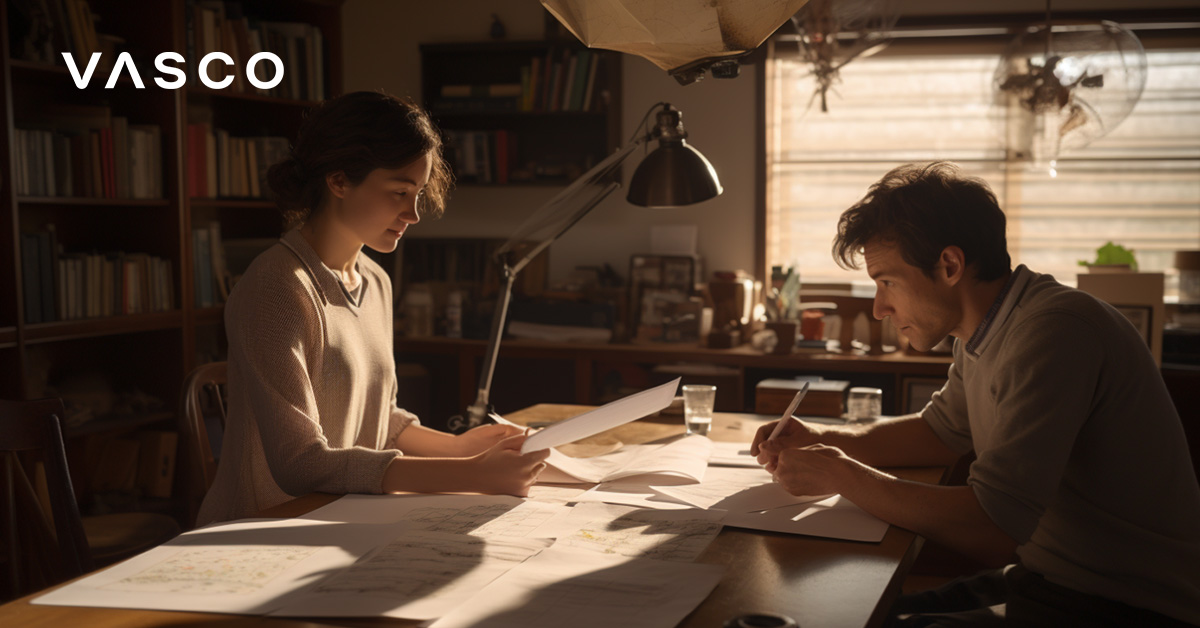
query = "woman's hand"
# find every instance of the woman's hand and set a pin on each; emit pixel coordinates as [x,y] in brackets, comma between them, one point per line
[794,434]
[503,469]
[479,439]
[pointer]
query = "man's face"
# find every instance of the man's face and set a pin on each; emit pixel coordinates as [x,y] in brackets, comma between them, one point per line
[924,309]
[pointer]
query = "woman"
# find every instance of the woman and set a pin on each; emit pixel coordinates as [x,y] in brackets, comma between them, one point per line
[312,383]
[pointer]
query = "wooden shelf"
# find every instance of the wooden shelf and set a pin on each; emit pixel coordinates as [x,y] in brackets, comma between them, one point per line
[233,203]
[210,315]
[89,201]
[109,326]
[663,353]
[8,337]
[475,115]
[116,424]
[580,371]
[46,72]
[225,94]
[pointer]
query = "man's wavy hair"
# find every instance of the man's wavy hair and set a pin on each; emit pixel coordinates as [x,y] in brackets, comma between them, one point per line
[922,209]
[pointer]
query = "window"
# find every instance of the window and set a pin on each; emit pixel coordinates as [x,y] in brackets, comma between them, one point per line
[1138,186]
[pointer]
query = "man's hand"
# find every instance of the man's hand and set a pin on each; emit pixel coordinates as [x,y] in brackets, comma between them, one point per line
[794,434]
[479,439]
[811,470]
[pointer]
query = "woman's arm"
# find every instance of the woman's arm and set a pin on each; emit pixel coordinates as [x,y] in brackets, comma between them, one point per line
[501,469]
[418,440]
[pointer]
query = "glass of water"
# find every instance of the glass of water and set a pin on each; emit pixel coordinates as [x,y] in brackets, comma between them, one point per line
[698,407]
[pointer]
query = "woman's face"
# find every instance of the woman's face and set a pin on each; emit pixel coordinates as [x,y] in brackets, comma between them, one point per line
[381,208]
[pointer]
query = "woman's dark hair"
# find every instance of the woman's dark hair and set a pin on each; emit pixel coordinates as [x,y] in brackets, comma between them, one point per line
[922,209]
[357,133]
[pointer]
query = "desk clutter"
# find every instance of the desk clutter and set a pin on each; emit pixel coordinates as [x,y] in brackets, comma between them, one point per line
[622,552]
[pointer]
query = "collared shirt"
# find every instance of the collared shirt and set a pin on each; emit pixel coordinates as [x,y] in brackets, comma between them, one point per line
[1081,456]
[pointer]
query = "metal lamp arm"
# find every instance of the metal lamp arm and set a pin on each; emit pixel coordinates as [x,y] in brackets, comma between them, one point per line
[478,410]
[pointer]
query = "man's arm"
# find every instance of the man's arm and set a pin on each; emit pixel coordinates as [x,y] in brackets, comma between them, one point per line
[949,515]
[906,441]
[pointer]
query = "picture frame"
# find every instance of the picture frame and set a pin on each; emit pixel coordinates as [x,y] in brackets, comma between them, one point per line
[1142,319]
[653,274]
[915,392]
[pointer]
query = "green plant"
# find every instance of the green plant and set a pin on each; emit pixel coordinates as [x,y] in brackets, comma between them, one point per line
[1112,254]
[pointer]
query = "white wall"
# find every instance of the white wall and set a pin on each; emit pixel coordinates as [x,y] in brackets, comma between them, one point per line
[381,39]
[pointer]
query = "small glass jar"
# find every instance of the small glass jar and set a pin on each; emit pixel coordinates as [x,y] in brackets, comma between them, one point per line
[864,404]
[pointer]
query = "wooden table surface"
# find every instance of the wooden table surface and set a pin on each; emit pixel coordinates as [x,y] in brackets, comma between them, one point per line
[818,582]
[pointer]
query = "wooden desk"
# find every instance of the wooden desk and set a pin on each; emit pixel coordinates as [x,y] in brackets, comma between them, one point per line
[818,582]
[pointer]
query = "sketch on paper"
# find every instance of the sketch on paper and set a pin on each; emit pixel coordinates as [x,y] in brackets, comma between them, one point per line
[484,520]
[235,569]
[422,564]
[638,533]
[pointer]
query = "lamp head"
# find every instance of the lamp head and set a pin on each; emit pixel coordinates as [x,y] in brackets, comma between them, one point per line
[674,174]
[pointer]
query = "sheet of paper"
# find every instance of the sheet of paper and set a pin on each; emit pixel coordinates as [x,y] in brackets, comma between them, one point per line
[640,495]
[419,575]
[605,417]
[683,459]
[479,515]
[554,494]
[634,532]
[726,454]
[736,490]
[247,567]
[834,517]
[581,589]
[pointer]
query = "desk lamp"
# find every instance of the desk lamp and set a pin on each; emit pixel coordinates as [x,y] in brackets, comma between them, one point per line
[672,175]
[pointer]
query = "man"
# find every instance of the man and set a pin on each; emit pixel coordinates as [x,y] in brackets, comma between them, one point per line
[1082,482]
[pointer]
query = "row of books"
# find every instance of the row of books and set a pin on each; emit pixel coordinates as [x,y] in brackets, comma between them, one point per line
[220,26]
[68,286]
[560,81]
[220,165]
[482,156]
[57,26]
[210,278]
[91,159]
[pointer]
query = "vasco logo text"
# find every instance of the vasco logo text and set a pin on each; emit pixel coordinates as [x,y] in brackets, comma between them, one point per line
[125,63]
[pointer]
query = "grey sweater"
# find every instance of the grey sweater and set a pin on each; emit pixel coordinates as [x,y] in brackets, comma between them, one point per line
[312,384]
[1082,457]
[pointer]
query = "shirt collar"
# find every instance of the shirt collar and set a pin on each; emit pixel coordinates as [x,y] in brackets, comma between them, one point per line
[1000,310]
[325,280]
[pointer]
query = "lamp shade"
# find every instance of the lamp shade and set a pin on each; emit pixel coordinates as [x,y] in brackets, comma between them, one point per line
[674,174]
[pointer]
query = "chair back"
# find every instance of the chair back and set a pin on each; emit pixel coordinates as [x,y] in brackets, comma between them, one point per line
[44,541]
[203,395]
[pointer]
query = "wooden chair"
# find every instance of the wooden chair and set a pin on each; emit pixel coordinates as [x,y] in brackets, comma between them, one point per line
[44,541]
[201,390]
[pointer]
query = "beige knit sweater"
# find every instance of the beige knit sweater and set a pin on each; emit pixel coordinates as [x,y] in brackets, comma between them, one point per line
[312,384]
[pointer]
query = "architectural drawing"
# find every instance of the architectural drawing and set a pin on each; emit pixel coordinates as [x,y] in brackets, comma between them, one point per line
[659,534]
[484,520]
[235,569]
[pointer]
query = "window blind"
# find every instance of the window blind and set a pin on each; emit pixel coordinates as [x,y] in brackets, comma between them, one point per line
[1138,186]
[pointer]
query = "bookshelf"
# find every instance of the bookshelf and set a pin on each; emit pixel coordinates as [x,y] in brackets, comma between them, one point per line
[523,113]
[122,201]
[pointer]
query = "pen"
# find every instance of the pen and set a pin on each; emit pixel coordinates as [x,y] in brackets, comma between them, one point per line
[791,408]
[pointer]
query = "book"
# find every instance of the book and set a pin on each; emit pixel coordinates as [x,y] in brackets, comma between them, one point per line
[825,397]
[31,277]
[579,84]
